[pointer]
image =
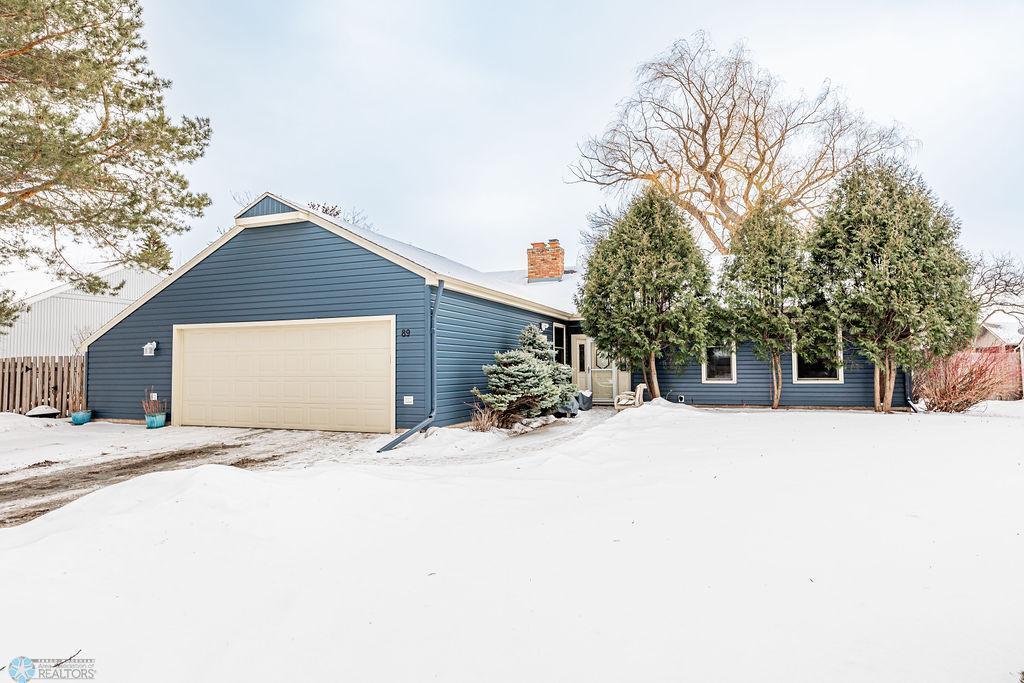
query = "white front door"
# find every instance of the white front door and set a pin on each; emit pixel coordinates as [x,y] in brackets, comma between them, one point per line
[593,370]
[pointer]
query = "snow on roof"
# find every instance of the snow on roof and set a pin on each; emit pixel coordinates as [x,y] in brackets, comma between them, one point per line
[1006,326]
[554,294]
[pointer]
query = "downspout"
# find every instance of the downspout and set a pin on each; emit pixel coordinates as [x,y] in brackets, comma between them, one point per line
[433,376]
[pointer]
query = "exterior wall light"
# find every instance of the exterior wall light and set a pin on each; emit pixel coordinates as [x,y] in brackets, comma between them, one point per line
[149,349]
[544,327]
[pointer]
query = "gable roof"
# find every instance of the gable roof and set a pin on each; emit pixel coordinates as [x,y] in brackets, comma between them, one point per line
[270,209]
[457,276]
[1005,326]
[72,287]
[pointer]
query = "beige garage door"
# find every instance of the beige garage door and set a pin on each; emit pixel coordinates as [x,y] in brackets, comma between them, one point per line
[335,375]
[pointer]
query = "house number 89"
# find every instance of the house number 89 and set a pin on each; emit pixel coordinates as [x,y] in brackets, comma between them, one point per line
[406,332]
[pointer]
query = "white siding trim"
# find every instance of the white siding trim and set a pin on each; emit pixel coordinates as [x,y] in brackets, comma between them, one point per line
[166,282]
[272,219]
[704,369]
[839,379]
[301,215]
[431,276]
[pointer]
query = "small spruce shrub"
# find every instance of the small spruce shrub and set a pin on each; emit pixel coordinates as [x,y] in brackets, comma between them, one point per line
[526,382]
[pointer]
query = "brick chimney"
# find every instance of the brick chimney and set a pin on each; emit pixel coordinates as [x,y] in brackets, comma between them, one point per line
[545,261]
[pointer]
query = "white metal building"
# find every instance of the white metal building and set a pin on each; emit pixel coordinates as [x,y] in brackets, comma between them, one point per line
[59,319]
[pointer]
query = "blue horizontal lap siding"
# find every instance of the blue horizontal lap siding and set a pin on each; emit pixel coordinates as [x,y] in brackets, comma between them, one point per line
[267,206]
[753,385]
[469,332]
[286,272]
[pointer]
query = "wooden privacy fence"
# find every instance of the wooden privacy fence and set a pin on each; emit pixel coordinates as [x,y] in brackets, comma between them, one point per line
[32,381]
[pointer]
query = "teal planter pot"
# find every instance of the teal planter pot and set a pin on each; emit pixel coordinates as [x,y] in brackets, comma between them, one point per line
[156,421]
[80,417]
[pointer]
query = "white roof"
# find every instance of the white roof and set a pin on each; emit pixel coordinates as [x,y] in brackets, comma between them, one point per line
[553,294]
[1005,326]
[114,270]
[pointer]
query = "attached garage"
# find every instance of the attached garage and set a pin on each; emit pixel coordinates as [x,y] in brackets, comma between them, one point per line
[293,320]
[328,374]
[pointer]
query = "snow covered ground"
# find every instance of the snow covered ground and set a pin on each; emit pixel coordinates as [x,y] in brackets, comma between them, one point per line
[666,543]
[45,464]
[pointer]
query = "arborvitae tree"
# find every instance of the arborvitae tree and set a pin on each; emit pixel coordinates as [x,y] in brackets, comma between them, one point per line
[886,271]
[647,288]
[761,285]
[88,153]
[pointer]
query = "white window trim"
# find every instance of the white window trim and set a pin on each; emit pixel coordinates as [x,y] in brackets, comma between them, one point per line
[704,369]
[565,342]
[839,379]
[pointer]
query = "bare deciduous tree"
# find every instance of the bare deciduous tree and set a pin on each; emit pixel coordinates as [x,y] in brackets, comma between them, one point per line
[353,216]
[599,224]
[715,131]
[998,282]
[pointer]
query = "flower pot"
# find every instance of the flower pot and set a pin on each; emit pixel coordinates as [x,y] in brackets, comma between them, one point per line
[80,417]
[156,421]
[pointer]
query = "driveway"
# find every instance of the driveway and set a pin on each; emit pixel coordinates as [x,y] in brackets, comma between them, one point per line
[45,464]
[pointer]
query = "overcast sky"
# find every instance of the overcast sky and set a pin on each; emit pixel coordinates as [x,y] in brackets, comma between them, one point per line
[452,125]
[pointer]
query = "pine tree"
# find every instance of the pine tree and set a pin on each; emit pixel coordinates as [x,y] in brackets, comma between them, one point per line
[646,292]
[886,271]
[154,252]
[761,285]
[88,153]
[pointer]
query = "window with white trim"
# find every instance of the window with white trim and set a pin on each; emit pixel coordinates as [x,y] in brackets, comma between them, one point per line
[558,339]
[719,366]
[808,370]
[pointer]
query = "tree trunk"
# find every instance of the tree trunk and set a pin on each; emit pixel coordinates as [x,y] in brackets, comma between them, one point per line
[643,369]
[653,377]
[890,381]
[776,380]
[878,389]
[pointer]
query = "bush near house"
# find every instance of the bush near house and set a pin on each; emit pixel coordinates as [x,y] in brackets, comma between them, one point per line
[962,380]
[526,382]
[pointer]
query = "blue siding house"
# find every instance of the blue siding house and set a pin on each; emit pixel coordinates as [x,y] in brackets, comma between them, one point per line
[294,319]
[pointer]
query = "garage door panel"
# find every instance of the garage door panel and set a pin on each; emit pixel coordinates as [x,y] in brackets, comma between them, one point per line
[335,376]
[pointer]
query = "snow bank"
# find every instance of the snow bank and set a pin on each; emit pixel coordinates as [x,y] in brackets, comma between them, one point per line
[999,409]
[14,424]
[667,543]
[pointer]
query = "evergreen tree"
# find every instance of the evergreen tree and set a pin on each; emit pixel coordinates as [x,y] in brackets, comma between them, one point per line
[10,309]
[533,341]
[527,381]
[518,385]
[647,288]
[761,285]
[886,271]
[88,153]
[154,252]
[561,376]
